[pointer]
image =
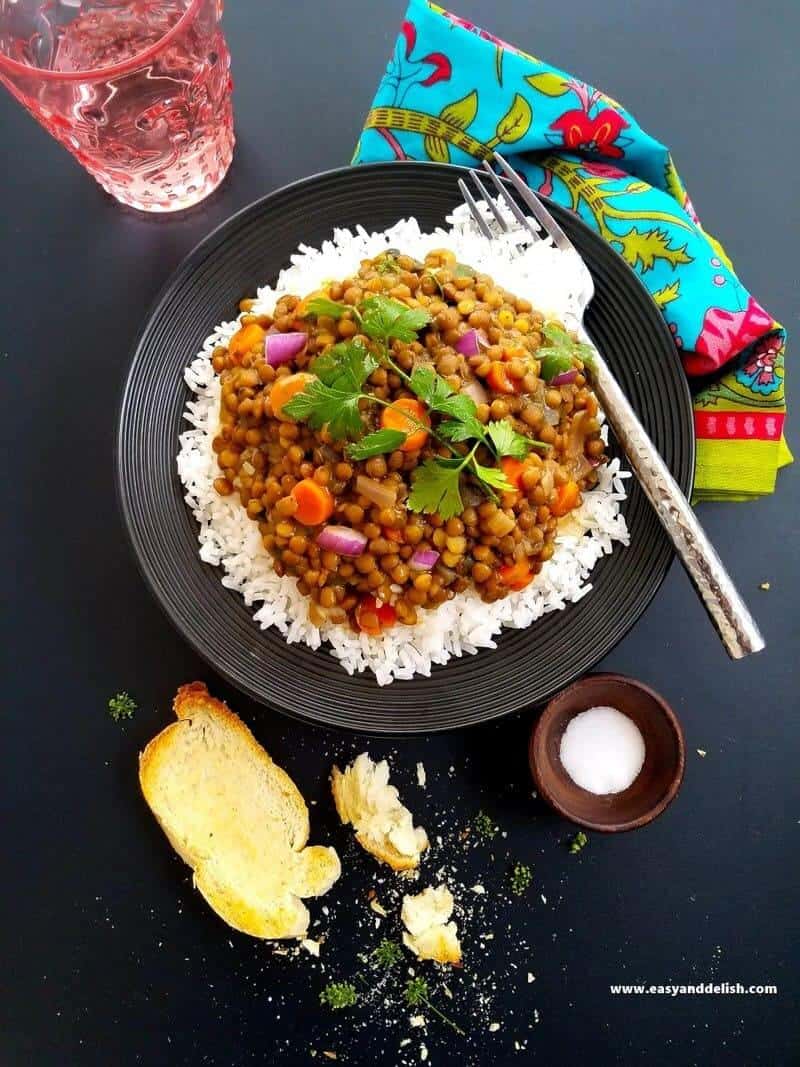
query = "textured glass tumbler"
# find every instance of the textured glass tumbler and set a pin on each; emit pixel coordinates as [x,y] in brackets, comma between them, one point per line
[139,91]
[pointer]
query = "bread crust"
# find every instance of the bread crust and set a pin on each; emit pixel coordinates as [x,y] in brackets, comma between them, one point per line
[252,874]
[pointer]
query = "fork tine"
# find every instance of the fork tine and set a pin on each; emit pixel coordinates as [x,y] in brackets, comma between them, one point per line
[469,200]
[495,210]
[511,204]
[538,210]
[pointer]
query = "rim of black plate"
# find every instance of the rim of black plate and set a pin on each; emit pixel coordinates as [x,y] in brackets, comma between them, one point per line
[529,665]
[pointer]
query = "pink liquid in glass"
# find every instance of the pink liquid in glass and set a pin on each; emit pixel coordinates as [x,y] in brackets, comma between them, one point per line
[138,91]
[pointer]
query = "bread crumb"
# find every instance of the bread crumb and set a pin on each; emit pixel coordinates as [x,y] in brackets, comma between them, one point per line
[494,1027]
[423,1053]
[422,777]
[764,586]
[405,1041]
[531,977]
[312,947]
[417,1020]
[479,889]
[330,1055]
[701,752]
[378,908]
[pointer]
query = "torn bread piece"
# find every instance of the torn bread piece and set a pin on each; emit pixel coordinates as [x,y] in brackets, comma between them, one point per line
[429,934]
[235,817]
[383,826]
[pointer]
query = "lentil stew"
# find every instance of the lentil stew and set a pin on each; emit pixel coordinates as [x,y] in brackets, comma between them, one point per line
[403,434]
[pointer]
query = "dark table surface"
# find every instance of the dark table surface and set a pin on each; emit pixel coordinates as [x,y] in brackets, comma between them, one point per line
[109,956]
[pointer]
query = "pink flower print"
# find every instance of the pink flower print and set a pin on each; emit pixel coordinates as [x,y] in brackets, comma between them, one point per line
[724,334]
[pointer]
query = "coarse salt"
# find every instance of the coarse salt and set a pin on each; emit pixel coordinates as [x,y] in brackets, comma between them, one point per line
[602,750]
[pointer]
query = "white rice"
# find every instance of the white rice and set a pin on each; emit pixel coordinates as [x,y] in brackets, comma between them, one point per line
[230,540]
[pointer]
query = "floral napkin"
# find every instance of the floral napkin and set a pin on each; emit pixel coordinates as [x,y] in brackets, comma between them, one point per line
[453,93]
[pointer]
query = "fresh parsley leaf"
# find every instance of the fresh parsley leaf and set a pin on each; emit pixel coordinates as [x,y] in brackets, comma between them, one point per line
[322,305]
[430,386]
[455,431]
[435,488]
[339,995]
[387,954]
[506,440]
[320,405]
[375,444]
[416,991]
[579,841]
[521,878]
[493,477]
[384,319]
[345,366]
[122,706]
[554,363]
[485,826]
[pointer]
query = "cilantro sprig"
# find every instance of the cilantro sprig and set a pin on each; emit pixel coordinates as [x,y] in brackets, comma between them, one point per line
[338,995]
[336,397]
[560,353]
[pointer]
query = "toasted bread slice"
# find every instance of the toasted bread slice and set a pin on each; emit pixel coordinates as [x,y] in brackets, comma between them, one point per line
[429,934]
[383,826]
[235,817]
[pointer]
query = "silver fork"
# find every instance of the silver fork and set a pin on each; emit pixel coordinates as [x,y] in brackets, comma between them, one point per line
[729,613]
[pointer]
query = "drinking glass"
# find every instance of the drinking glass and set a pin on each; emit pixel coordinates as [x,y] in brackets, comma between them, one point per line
[139,91]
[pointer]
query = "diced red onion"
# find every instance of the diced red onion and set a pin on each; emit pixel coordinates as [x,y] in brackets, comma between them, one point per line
[423,559]
[564,378]
[468,344]
[342,540]
[475,391]
[380,495]
[283,347]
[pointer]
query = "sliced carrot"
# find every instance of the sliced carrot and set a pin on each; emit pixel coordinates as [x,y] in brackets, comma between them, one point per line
[283,389]
[499,380]
[568,497]
[371,617]
[405,415]
[244,340]
[392,535]
[513,470]
[314,502]
[516,576]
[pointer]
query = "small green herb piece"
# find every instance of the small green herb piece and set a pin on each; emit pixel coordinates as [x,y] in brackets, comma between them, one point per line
[319,406]
[345,366]
[387,954]
[387,264]
[560,354]
[416,992]
[122,706]
[384,319]
[506,441]
[338,995]
[484,826]
[493,477]
[375,444]
[435,488]
[521,878]
[322,305]
[463,270]
[432,274]
[430,386]
[579,841]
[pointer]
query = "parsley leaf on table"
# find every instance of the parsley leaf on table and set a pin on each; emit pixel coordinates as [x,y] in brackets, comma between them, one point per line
[435,488]
[122,706]
[384,319]
[375,444]
[338,995]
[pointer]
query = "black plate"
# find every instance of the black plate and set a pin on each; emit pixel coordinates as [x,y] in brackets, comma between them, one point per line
[528,666]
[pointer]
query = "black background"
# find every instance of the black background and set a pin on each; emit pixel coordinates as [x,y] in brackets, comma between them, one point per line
[109,957]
